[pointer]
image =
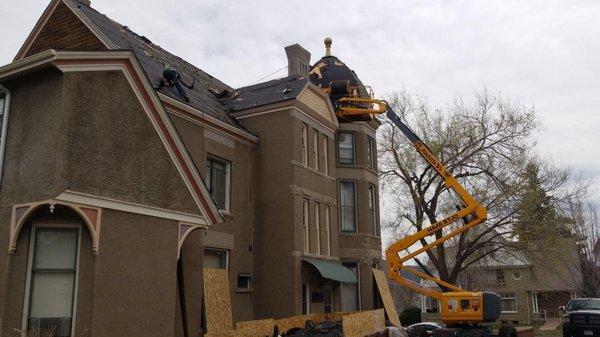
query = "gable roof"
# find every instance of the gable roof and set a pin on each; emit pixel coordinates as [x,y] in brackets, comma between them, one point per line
[274,91]
[126,62]
[151,57]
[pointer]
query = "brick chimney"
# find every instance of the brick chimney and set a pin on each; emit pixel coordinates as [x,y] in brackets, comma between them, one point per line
[298,60]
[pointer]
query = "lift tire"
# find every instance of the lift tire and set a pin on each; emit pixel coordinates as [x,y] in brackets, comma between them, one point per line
[507,331]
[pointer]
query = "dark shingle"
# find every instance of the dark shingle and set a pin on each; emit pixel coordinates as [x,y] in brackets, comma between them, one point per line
[269,92]
[153,59]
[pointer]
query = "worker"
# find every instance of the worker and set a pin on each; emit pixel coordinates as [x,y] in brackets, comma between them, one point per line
[172,78]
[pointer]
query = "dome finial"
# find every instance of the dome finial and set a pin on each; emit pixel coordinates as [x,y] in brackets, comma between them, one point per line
[328,43]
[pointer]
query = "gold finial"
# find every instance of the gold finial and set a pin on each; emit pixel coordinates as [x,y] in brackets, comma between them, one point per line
[328,42]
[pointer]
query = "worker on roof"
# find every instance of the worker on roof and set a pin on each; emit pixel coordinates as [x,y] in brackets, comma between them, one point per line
[172,78]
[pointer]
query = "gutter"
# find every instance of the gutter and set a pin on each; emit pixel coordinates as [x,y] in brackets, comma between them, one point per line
[4,126]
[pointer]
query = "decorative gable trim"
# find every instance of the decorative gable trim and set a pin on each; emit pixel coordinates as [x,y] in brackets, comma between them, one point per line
[44,19]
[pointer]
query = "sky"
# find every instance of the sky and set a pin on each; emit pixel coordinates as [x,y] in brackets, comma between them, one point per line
[544,53]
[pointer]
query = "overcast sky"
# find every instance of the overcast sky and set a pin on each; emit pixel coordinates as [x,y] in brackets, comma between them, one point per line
[541,53]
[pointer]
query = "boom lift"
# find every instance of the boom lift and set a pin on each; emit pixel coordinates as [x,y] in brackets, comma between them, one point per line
[459,308]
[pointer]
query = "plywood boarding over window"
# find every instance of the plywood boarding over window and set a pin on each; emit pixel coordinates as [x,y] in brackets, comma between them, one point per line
[217,301]
[259,328]
[363,323]
[386,296]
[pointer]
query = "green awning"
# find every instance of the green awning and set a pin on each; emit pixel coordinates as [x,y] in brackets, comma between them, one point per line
[333,270]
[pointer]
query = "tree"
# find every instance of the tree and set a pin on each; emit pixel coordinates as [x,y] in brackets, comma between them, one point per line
[586,218]
[487,146]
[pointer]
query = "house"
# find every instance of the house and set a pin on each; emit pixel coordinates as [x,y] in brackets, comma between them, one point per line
[114,195]
[532,281]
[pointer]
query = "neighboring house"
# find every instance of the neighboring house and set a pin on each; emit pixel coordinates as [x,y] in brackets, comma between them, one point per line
[114,195]
[532,282]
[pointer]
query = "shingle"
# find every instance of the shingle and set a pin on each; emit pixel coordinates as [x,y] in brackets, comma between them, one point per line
[274,91]
[153,59]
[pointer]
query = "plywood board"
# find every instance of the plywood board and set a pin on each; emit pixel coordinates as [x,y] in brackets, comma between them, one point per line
[217,301]
[363,323]
[386,296]
[285,324]
[258,328]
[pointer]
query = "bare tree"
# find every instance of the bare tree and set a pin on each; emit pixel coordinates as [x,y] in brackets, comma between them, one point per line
[586,219]
[487,146]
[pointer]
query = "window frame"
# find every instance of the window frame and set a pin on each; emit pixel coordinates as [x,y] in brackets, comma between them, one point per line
[325,154]
[339,159]
[305,225]
[28,282]
[213,158]
[317,217]
[506,296]
[304,144]
[340,182]
[373,201]
[218,250]
[316,149]
[305,298]
[4,120]
[326,217]
[331,304]
[248,277]
[358,285]
[370,153]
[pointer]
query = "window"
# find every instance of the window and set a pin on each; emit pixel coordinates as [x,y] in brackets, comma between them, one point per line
[316,149]
[305,228]
[370,152]
[508,302]
[215,258]
[305,144]
[346,148]
[534,301]
[325,155]
[52,279]
[218,181]
[373,208]
[327,232]
[500,276]
[516,276]
[348,206]
[351,292]
[4,102]
[244,282]
[328,300]
[305,299]
[317,228]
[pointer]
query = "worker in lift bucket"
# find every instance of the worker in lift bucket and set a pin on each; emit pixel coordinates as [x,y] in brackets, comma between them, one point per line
[172,78]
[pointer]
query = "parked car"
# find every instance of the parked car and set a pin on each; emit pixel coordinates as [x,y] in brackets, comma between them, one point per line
[424,329]
[581,318]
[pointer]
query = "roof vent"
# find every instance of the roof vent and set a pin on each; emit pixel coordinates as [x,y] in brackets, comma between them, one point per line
[298,60]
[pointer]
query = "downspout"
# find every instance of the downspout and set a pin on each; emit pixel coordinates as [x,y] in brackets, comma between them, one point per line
[4,126]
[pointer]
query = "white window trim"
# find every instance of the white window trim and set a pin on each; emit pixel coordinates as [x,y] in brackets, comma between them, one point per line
[534,302]
[510,298]
[227,163]
[25,318]
[226,251]
[4,131]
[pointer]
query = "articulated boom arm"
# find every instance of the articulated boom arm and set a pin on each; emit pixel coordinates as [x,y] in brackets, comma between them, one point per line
[471,210]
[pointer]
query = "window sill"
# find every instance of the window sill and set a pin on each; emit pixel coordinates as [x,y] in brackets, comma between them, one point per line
[244,291]
[509,312]
[360,234]
[226,214]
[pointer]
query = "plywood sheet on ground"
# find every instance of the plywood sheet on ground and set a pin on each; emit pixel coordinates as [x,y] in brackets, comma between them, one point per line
[217,301]
[363,323]
[258,328]
[386,296]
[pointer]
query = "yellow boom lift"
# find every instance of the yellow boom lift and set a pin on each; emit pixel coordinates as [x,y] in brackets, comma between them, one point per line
[460,309]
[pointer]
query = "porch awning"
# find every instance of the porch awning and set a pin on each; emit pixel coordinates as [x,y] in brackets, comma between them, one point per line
[332,270]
